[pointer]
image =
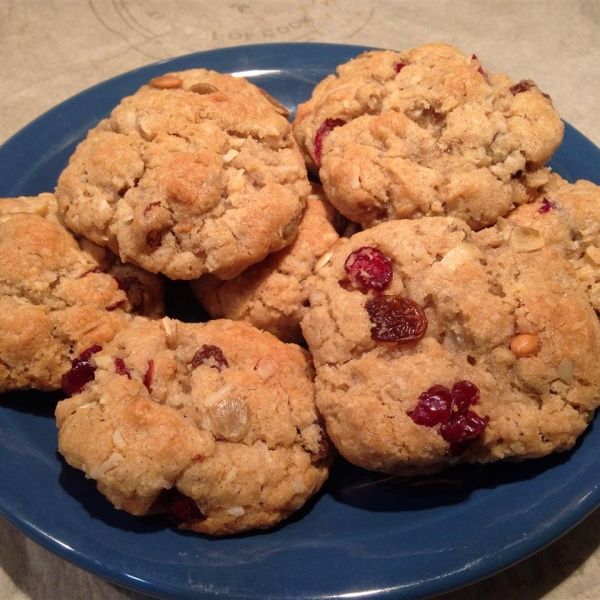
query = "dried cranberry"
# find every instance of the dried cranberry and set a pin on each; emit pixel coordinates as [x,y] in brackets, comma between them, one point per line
[434,407]
[183,509]
[115,305]
[547,206]
[396,319]
[449,408]
[464,394]
[211,356]
[121,367]
[522,86]
[82,371]
[148,375]
[462,427]
[154,238]
[369,268]
[325,447]
[91,272]
[151,206]
[399,66]
[326,127]
[479,68]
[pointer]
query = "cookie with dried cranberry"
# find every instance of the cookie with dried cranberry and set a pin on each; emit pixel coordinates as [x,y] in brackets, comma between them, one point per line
[213,423]
[426,131]
[566,215]
[272,295]
[59,295]
[431,350]
[194,173]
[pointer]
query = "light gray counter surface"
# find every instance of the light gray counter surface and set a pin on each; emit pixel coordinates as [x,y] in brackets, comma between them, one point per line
[52,49]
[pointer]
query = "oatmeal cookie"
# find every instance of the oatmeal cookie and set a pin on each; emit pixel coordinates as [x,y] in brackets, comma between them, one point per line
[59,295]
[431,350]
[43,204]
[194,173]
[427,131]
[214,423]
[566,215]
[273,294]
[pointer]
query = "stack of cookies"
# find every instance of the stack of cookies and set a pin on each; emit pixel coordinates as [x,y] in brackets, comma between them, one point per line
[213,423]
[459,325]
[396,275]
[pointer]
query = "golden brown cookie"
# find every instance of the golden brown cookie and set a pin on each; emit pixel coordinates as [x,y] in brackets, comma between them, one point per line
[59,295]
[273,294]
[431,350]
[566,215]
[214,423]
[427,131]
[194,173]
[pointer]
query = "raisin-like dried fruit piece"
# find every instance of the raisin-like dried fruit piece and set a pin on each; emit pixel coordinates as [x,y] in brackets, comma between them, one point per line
[369,268]
[476,64]
[325,447]
[439,404]
[546,206]
[463,427]
[149,375]
[396,319]
[183,509]
[399,66]
[326,128]
[464,394]
[154,238]
[211,356]
[121,367]
[82,371]
[150,206]
[449,408]
[522,86]
[91,272]
[114,306]
[434,407]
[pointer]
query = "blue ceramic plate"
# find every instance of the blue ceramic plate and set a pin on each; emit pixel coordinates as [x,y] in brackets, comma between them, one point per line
[364,535]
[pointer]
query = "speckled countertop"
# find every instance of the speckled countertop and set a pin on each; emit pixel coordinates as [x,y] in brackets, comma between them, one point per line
[52,49]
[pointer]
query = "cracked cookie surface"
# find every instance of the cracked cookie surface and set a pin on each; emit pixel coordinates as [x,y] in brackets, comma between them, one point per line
[566,215]
[427,131]
[515,324]
[217,416]
[59,295]
[273,294]
[185,182]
